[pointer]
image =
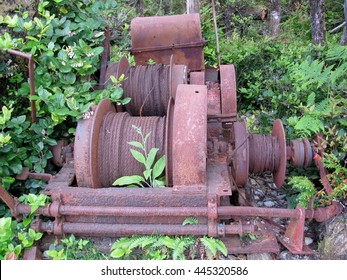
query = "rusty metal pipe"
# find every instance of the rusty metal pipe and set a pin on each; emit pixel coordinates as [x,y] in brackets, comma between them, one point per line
[130,229]
[30,58]
[257,212]
[132,211]
[158,211]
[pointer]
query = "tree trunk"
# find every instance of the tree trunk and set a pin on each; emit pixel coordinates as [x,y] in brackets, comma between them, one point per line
[193,6]
[343,41]
[317,18]
[275,8]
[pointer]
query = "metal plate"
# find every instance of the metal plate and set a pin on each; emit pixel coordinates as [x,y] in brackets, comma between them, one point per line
[228,89]
[189,135]
[280,174]
[158,38]
[240,161]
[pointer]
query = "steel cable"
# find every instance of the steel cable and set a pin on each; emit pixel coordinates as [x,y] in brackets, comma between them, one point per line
[148,87]
[114,156]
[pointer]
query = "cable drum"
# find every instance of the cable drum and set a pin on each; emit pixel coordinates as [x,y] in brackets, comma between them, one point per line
[114,157]
[264,153]
[148,87]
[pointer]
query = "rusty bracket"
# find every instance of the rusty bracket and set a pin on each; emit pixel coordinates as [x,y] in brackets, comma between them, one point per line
[37,176]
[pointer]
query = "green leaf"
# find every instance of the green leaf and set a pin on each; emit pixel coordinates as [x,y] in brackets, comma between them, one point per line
[190,221]
[128,180]
[221,247]
[147,173]
[159,167]
[136,144]
[138,156]
[117,253]
[151,157]
[16,167]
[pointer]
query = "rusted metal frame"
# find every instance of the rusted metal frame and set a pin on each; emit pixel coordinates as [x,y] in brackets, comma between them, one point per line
[33,253]
[169,47]
[323,174]
[30,175]
[294,235]
[130,229]
[10,201]
[104,59]
[189,143]
[30,59]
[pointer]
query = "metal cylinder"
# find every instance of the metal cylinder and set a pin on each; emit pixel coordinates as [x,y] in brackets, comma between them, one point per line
[149,89]
[264,154]
[117,130]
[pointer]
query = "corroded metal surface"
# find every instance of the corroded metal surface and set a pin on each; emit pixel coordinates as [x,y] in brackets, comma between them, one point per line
[228,91]
[240,156]
[279,174]
[150,87]
[102,153]
[189,135]
[155,38]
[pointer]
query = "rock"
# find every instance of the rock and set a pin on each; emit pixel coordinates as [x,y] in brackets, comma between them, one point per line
[269,203]
[284,255]
[334,243]
[260,256]
[308,240]
[282,196]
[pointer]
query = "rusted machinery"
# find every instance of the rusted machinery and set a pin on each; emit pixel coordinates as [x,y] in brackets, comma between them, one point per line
[191,112]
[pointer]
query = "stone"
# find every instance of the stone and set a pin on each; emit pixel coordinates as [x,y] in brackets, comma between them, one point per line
[334,243]
[269,203]
[260,256]
[308,240]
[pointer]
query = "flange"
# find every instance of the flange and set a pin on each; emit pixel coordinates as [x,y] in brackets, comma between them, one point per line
[86,145]
[240,156]
[280,174]
[228,92]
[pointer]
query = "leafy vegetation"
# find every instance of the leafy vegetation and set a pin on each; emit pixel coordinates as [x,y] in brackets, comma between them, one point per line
[71,248]
[151,176]
[158,247]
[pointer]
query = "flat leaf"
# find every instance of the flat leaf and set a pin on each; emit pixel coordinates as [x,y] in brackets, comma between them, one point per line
[138,156]
[159,167]
[128,180]
[136,144]
[147,173]
[151,157]
[117,253]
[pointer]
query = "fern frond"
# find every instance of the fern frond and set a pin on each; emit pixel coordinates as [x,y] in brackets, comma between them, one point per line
[221,247]
[190,221]
[122,243]
[210,246]
[308,124]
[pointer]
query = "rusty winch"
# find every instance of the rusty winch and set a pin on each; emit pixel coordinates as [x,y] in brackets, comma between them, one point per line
[191,112]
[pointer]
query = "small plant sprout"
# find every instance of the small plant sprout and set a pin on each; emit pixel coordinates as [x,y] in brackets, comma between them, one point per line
[153,170]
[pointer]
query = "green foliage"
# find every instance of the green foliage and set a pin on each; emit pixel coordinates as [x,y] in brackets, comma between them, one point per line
[153,170]
[15,237]
[190,221]
[65,38]
[158,247]
[35,201]
[71,248]
[304,188]
[337,177]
